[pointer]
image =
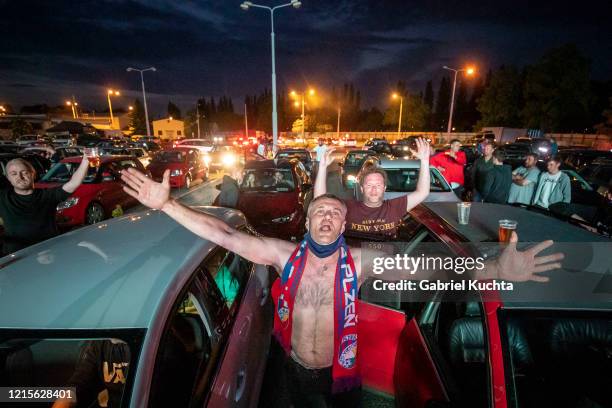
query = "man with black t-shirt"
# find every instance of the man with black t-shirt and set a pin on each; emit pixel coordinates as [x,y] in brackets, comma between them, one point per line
[374,214]
[28,213]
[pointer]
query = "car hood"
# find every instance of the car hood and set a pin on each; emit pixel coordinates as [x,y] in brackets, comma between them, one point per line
[47,185]
[259,206]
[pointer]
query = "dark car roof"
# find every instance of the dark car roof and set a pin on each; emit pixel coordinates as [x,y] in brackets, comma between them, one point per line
[575,287]
[269,164]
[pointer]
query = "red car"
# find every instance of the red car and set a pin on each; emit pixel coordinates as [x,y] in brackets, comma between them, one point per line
[274,197]
[185,165]
[99,194]
[539,345]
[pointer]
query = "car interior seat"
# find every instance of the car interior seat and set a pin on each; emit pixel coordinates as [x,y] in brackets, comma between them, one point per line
[582,350]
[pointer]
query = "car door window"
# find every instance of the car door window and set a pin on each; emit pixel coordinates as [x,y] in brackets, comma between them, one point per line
[184,353]
[456,335]
[230,273]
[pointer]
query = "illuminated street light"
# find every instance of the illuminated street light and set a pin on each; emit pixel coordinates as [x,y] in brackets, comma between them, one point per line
[399,125]
[302,97]
[131,108]
[110,106]
[469,71]
[2,110]
[295,4]
[144,95]
[73,105]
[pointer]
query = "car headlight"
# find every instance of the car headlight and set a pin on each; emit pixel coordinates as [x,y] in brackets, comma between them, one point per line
[228,159]
[543,149]
[71,202]
[206,160]
[285,219]
[351,177]
[176,172]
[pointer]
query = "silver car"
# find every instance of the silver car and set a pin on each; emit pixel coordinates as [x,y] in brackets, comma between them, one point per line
[136,311]
[402,176]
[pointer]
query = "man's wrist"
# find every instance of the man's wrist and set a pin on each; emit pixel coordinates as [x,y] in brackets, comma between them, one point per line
[168,206]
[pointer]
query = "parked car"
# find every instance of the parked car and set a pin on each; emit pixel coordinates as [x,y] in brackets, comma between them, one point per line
[515,153]
[185,165]
[303,155]
[350,166]
[151,147]
[497,348]
[276,209]
[26,140]
[63,152]
[205,146]
[580,158]
[540,146]
[63,141]
[139,153]
[191,320]
[402,176]
[87,140]
[98,195]
[374,141]
[598,173]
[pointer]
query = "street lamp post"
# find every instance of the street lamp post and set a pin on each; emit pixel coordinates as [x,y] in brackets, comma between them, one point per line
[468,71]
[110,106]
[338,127]
[302,96]
[144,95]
[399,124]
[245,6]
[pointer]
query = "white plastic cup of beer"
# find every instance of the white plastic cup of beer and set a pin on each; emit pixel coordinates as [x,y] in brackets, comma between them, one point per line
[505,230]
[463,212]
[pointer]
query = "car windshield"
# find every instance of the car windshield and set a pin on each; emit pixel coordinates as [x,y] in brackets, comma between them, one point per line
[405,180]
[268,180]
[356,158]
[577,178]
[170,157]
[62,172]
[91,364]
[558,359]
[300,155]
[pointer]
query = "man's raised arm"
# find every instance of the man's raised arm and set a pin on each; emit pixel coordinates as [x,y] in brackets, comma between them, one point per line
[320,186]
[423,183]
[266,251]
[78,176]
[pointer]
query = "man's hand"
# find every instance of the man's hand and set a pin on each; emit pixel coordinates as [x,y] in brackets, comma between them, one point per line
[516,266]
[422,151]
[327,158]
[145,190]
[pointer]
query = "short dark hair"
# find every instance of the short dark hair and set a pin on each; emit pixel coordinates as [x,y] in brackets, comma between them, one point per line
[372,170]
[555,158]
[328,196]
[531,154]
[499,155]
[455,140]
[489,142]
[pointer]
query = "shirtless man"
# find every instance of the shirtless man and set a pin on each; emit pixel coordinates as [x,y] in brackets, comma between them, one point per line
[316,365]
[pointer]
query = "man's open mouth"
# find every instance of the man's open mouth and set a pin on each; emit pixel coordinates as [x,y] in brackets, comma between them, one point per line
[326,228]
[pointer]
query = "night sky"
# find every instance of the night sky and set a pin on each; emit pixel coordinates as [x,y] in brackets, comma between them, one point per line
[50,50]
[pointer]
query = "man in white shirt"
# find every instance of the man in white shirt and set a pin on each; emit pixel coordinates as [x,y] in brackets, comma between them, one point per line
[524,181]
[553,186]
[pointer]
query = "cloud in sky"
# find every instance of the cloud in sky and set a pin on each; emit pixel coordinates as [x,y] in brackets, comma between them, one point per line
[213,47]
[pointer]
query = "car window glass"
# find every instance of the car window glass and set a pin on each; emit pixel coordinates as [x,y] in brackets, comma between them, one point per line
[184,351]
[456,336]
[556,358]
[268,180]
[98,368]
[62,172]
[230,273]
[405,180]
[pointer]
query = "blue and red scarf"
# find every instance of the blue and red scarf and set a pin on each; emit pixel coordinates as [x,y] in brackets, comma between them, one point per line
[345,372]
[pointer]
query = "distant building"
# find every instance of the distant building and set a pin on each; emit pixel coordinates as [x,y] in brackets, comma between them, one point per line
[169,129]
